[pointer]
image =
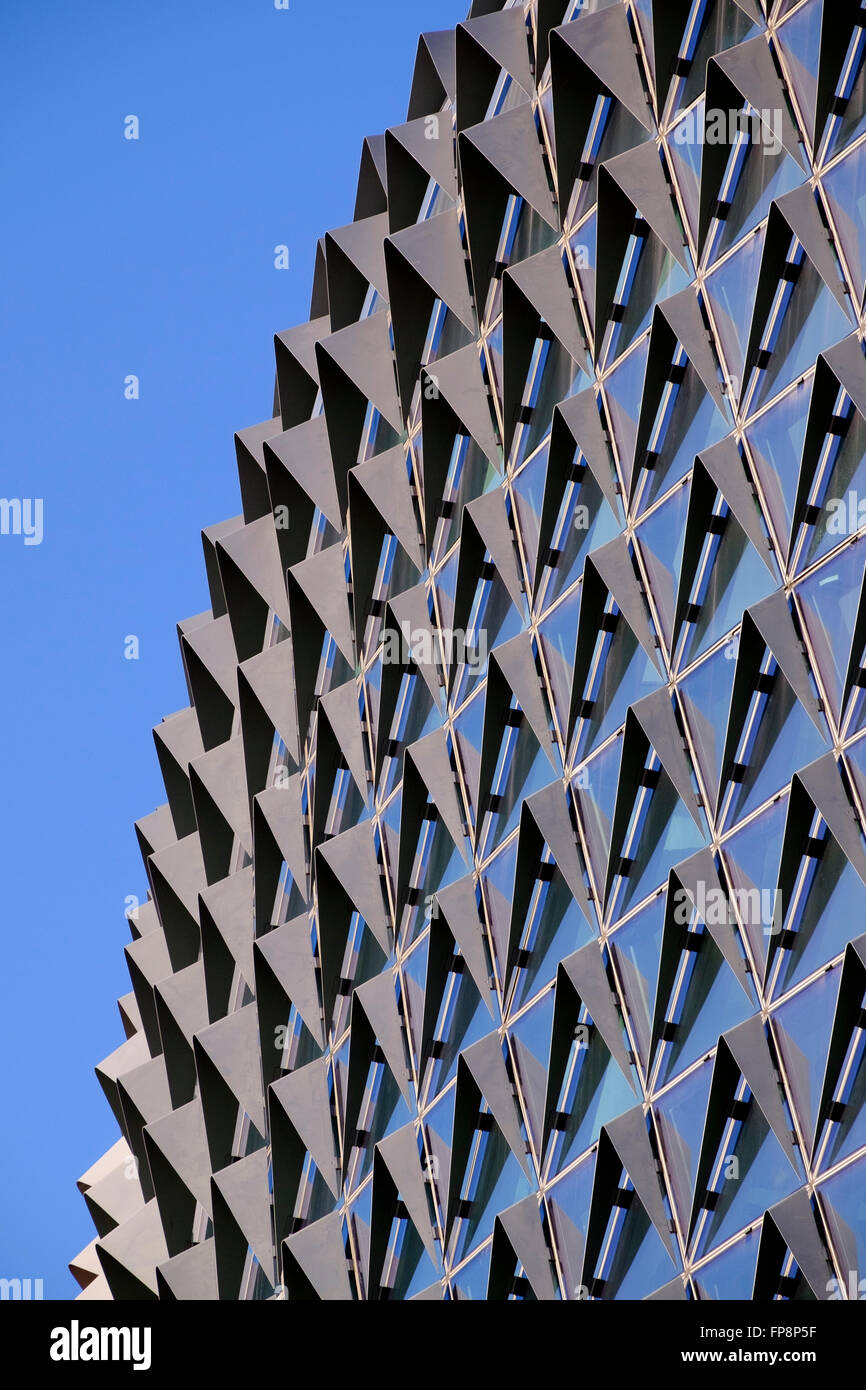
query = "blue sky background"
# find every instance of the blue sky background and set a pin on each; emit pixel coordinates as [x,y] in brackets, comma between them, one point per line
[153,257]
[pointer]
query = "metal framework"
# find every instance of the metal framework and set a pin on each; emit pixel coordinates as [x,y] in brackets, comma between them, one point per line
[503,936]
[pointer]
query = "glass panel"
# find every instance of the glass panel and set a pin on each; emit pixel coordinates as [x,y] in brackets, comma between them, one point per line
[636,946]
[801,1028]
[445,585]
[812,321]
[594,1091]
[840,505]
[752,857]
[554,928]
[616,132]
[623,674]
[662,834]
[731,305]
[493,619]
[568,1207]
[415,715]
[528,488]
[845,1131]
[533,235]
[557,379]
[558,635]
[694,424]
[731,1275]
[530,1046]
[658,275]
[835,899]
[468,730]
[661,538]
[710,1001]
[463,1019]
[383,1110]
[680,1114]
[438,1130]
[767,173]
[706,698]
[493,1180]
[408,1268]
[737,577]
[470,473]
[595,793]
[472,1280]
[776,444]
[413,975]
[438,862]
[363,958]
[829,600]
[783,739]
[497,887]
[491,365]
[800,41]
[845,186]
[623,391]
[639,1263]
[721,27]
[524,768]
[760,1176]
[686,153]
[843,1199]
[843,130]
[585,523]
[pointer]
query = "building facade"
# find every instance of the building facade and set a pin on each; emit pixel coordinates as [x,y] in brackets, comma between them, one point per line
[505,926]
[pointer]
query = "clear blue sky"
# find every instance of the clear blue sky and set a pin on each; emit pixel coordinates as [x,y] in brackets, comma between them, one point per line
[155,258]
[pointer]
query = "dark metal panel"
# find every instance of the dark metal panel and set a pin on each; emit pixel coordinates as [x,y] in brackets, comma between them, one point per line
[435,74]
[487,44]
[190,1276]
[129,1255]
